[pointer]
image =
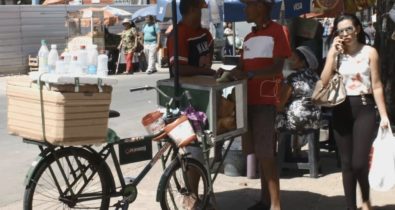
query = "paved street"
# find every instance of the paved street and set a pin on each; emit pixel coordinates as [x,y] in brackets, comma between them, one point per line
[299,192]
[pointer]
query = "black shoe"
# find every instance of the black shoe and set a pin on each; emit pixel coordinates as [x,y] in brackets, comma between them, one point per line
[259,206]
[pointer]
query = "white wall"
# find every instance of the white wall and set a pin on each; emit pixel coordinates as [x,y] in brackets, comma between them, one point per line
[23,26]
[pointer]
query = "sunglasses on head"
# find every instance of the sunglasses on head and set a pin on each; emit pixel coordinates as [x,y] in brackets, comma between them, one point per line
[348,30]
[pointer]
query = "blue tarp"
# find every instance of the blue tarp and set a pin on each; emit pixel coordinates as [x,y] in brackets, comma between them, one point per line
[234,10]
[295,8]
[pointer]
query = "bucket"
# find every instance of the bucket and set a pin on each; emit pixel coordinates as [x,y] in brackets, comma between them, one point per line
[235,163]
[181,131]
[153,122]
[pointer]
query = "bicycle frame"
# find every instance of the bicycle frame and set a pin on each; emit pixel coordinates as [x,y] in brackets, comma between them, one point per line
[48,150]
[167,148]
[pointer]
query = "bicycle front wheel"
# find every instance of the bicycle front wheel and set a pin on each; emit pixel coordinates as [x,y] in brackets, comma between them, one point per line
[187,189]
[75,181]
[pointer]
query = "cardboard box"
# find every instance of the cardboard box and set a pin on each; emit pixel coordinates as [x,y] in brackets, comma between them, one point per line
[206,93]
[70,118]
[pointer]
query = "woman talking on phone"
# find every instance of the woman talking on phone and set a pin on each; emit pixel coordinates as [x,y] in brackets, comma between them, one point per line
[354,120]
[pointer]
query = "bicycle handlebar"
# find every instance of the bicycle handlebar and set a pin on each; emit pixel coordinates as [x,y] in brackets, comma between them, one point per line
[186,93]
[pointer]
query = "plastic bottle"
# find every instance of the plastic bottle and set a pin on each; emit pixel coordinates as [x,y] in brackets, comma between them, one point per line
[102,68]
[53,56]
[67,56]
[60,67]
[75,67]
[43,57]
[92,59]
[82,55]
[67,59]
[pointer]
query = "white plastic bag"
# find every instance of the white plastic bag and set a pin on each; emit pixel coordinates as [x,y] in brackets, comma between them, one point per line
[382,170]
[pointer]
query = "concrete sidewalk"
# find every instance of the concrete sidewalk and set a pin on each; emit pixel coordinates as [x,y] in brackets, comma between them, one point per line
[299,192]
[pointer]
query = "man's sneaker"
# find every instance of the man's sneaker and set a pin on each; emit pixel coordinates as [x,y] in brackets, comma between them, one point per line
[151,71]
[259,206]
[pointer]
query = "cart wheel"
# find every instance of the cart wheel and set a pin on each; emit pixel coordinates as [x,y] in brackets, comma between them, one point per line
[175,193]
[75,181]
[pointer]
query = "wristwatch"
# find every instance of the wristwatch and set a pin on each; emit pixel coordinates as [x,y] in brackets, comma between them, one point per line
[250,74]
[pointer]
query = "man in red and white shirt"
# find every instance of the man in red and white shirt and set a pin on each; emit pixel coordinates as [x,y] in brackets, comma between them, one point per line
[264,51]
[195,43]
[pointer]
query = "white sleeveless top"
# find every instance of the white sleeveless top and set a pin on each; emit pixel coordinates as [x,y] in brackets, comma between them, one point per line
[356,72]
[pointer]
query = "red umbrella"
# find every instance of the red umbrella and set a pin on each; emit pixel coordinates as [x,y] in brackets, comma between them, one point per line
[53,2]
[325,8]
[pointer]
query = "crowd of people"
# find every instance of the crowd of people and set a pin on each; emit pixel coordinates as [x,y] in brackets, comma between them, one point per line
[140,47]
[276,103]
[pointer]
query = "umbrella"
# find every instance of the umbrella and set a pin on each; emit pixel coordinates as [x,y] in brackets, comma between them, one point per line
[164,10]
[144,12]
[111,15]
[53,2]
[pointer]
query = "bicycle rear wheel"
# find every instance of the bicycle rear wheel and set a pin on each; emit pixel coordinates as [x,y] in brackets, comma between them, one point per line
[176,193]
[77,182]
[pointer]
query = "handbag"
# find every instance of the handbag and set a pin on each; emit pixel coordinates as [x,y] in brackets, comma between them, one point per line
[139,46]
[332,94]
[382,169]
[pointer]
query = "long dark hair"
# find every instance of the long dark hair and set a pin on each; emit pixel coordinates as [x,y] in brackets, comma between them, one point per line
[356,23]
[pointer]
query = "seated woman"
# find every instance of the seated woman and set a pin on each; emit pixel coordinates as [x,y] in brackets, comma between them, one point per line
[297,113]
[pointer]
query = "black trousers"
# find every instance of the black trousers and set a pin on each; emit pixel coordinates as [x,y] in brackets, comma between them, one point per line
[355,127]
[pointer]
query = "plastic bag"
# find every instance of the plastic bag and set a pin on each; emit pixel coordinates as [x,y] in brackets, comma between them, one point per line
[382,171]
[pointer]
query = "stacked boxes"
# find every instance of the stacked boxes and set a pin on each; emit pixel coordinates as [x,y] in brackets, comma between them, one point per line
[70,118]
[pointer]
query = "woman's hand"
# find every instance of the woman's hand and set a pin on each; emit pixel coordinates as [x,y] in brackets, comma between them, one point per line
[337,45]
[384,122]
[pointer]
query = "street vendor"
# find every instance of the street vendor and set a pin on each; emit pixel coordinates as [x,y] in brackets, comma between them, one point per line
[195,58]
[264,50]
[128,43]
[195,43]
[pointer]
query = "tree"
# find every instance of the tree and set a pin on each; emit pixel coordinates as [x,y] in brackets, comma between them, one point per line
[386,48]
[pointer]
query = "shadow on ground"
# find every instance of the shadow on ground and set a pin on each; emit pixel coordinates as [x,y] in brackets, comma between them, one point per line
[290,200]
[329,165]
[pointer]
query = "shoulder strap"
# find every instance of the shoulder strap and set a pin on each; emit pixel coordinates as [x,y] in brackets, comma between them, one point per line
[338,57]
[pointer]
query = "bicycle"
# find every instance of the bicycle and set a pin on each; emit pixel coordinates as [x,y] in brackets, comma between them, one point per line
[79,177]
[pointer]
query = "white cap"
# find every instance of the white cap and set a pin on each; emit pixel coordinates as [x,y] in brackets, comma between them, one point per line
[53,45]
[126,20]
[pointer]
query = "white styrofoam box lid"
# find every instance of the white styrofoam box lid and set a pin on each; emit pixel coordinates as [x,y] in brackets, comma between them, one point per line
[70,79]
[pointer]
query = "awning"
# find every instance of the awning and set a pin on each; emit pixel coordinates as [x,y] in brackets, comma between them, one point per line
[234,10]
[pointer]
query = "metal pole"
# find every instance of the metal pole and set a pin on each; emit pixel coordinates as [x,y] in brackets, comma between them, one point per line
[234,38]
[176,66]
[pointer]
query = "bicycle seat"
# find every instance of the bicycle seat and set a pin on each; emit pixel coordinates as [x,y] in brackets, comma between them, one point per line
[114,114]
